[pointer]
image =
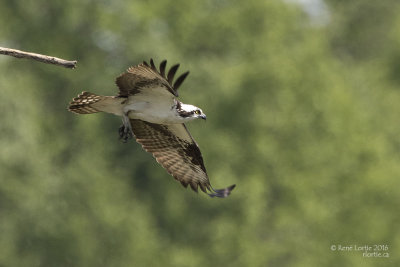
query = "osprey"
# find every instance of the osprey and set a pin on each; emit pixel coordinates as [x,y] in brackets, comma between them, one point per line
[147,102]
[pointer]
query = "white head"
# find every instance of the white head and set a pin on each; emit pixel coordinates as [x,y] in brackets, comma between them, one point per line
[189,112]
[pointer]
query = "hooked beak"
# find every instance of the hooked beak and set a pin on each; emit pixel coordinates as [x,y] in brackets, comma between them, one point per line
[203,116]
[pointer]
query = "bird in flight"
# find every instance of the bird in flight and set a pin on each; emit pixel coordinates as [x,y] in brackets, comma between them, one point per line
[147,102]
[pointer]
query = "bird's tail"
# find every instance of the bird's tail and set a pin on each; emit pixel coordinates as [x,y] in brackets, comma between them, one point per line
[83,103]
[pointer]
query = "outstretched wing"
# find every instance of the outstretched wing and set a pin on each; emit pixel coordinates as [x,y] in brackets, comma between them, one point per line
[142,76]
[174,148]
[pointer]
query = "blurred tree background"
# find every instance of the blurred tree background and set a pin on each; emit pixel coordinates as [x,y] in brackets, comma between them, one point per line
[302,99]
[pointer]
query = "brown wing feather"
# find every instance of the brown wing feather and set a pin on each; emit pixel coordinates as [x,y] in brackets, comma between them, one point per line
[139,77]
[142,76]
[174,148]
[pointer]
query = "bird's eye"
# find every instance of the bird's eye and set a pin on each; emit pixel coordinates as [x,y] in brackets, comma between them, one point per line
[197,112]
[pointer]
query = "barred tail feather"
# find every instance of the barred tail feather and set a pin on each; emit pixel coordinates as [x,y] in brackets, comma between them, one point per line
[82,104]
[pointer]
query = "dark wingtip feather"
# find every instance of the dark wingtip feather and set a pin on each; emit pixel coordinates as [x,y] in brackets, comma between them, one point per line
[153,67]
[194,187]
[184,184]
[180,80]
[171,73]
[222,193]
[203,188]
[163,64]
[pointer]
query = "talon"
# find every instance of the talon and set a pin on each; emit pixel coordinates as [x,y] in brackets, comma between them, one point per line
[121,131]
[125,130]
[124,133]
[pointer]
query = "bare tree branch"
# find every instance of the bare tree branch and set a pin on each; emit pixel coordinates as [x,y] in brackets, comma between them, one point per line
[38,57]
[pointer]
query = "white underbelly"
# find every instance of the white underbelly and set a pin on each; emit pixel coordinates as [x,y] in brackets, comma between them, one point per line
[154,118]
[161,112]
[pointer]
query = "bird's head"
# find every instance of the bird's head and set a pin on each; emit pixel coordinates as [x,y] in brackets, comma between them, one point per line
[190,112]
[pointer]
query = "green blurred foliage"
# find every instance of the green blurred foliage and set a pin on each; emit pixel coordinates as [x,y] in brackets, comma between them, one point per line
[302,116]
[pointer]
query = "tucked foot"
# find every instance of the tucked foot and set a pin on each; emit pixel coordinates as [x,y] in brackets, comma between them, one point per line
[125,133]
